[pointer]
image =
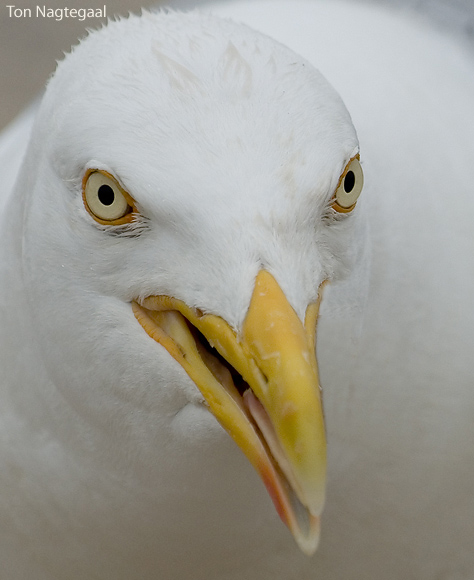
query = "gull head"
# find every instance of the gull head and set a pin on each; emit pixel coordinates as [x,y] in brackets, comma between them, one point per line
[190,189]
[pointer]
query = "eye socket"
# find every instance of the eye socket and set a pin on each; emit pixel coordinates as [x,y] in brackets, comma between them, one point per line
[349,186]
[105,200]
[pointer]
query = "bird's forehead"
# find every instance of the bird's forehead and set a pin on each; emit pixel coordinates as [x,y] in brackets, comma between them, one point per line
[186,90]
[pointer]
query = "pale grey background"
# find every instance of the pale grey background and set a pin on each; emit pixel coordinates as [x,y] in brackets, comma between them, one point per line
[29,48]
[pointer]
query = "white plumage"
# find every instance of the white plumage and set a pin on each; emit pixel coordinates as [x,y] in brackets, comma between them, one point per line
[231,146]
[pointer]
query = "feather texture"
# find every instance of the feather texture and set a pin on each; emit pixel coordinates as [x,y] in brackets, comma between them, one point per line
[232,146]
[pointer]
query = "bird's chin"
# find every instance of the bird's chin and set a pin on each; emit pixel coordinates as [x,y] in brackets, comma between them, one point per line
[248,383]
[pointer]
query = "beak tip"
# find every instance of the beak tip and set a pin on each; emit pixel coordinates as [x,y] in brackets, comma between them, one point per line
[308,543]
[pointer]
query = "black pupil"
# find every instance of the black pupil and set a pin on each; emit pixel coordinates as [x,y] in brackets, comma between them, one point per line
[106,195]
[349,181]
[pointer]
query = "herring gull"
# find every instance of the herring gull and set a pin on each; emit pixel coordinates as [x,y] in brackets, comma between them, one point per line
[189,192]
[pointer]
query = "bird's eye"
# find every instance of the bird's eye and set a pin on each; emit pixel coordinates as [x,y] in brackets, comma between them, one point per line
[349,186]
[105,200]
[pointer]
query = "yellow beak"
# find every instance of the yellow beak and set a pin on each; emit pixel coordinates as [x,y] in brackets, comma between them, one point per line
[262,386]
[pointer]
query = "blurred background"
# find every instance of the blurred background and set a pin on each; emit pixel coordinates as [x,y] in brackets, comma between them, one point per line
[30,47]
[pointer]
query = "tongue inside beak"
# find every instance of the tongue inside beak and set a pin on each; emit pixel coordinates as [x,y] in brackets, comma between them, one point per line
[262,386]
